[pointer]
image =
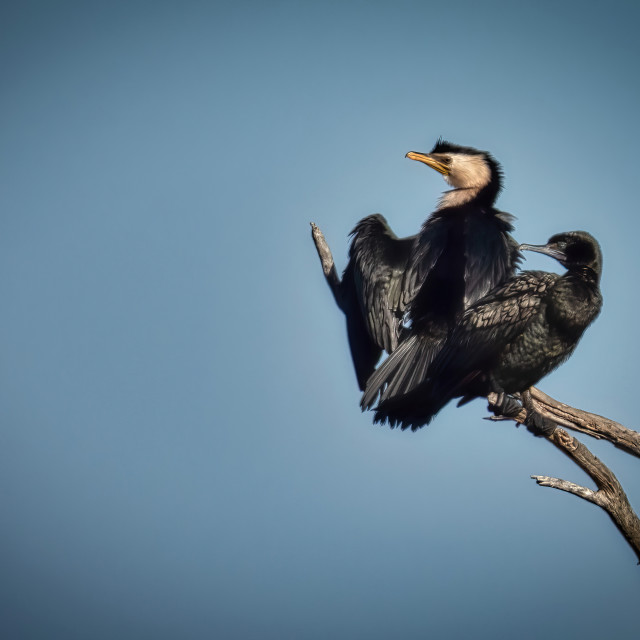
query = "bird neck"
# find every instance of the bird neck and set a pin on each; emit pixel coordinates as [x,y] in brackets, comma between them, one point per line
[458,197]
[482,196]
[576,300]
[587,275]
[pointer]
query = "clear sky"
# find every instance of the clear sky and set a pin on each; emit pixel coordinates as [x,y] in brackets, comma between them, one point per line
[183,455]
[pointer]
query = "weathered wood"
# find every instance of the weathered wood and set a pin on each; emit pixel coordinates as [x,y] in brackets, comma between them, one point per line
[328,265]
[610,496]
[590,423]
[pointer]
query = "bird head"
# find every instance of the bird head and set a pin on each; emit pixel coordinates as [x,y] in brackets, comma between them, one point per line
[462,167]
[574,250]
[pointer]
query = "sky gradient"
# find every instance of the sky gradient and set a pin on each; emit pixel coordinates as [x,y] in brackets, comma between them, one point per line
[183,454]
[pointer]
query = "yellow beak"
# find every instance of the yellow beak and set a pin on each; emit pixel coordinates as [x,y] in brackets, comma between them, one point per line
[429,161]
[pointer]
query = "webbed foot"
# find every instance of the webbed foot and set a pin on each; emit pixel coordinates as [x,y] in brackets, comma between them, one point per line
[504,406]
[535,422]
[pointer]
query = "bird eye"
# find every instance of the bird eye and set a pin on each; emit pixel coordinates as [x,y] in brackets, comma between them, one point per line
[561,245]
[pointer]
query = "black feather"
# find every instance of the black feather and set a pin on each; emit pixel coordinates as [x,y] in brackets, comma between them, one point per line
[505,343]
[429,279]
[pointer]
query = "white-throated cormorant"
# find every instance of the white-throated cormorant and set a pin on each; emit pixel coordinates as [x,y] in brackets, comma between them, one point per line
[504,343]
[463,250]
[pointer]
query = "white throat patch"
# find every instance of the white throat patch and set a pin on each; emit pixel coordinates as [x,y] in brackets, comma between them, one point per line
[457,197]
[468,175]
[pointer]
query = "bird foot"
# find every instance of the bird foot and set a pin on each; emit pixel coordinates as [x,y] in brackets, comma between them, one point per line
[503,406]
[539,425]
[497,418]
[535,422]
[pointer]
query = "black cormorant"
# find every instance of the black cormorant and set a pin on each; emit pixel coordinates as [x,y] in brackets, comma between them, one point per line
[504,343]
[463,250]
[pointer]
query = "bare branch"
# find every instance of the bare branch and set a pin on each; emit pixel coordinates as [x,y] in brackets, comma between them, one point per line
[590,423]
[565,485]
[328,265]
[610,496]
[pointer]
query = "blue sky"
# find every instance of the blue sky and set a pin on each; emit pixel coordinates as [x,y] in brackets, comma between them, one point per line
[183,454]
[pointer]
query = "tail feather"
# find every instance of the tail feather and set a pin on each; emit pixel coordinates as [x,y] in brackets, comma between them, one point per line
[404,370]
[414,409]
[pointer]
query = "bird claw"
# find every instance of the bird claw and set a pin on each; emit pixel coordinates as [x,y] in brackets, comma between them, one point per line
[504,406]
[497,418]
[538,425]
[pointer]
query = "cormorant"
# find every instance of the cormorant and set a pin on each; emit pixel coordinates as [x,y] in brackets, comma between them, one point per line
[505,343]
[463,250]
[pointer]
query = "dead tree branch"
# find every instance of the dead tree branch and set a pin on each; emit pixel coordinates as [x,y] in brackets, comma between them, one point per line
[610,495]
[590,423]
[328,265]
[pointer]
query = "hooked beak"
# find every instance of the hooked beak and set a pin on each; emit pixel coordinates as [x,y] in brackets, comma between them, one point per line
[429,161]
[547,249]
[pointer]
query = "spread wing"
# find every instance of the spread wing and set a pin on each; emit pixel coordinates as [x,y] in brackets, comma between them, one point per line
[373,297]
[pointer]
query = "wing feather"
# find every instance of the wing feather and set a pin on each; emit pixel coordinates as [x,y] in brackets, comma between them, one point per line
[482,333]
[373,296]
